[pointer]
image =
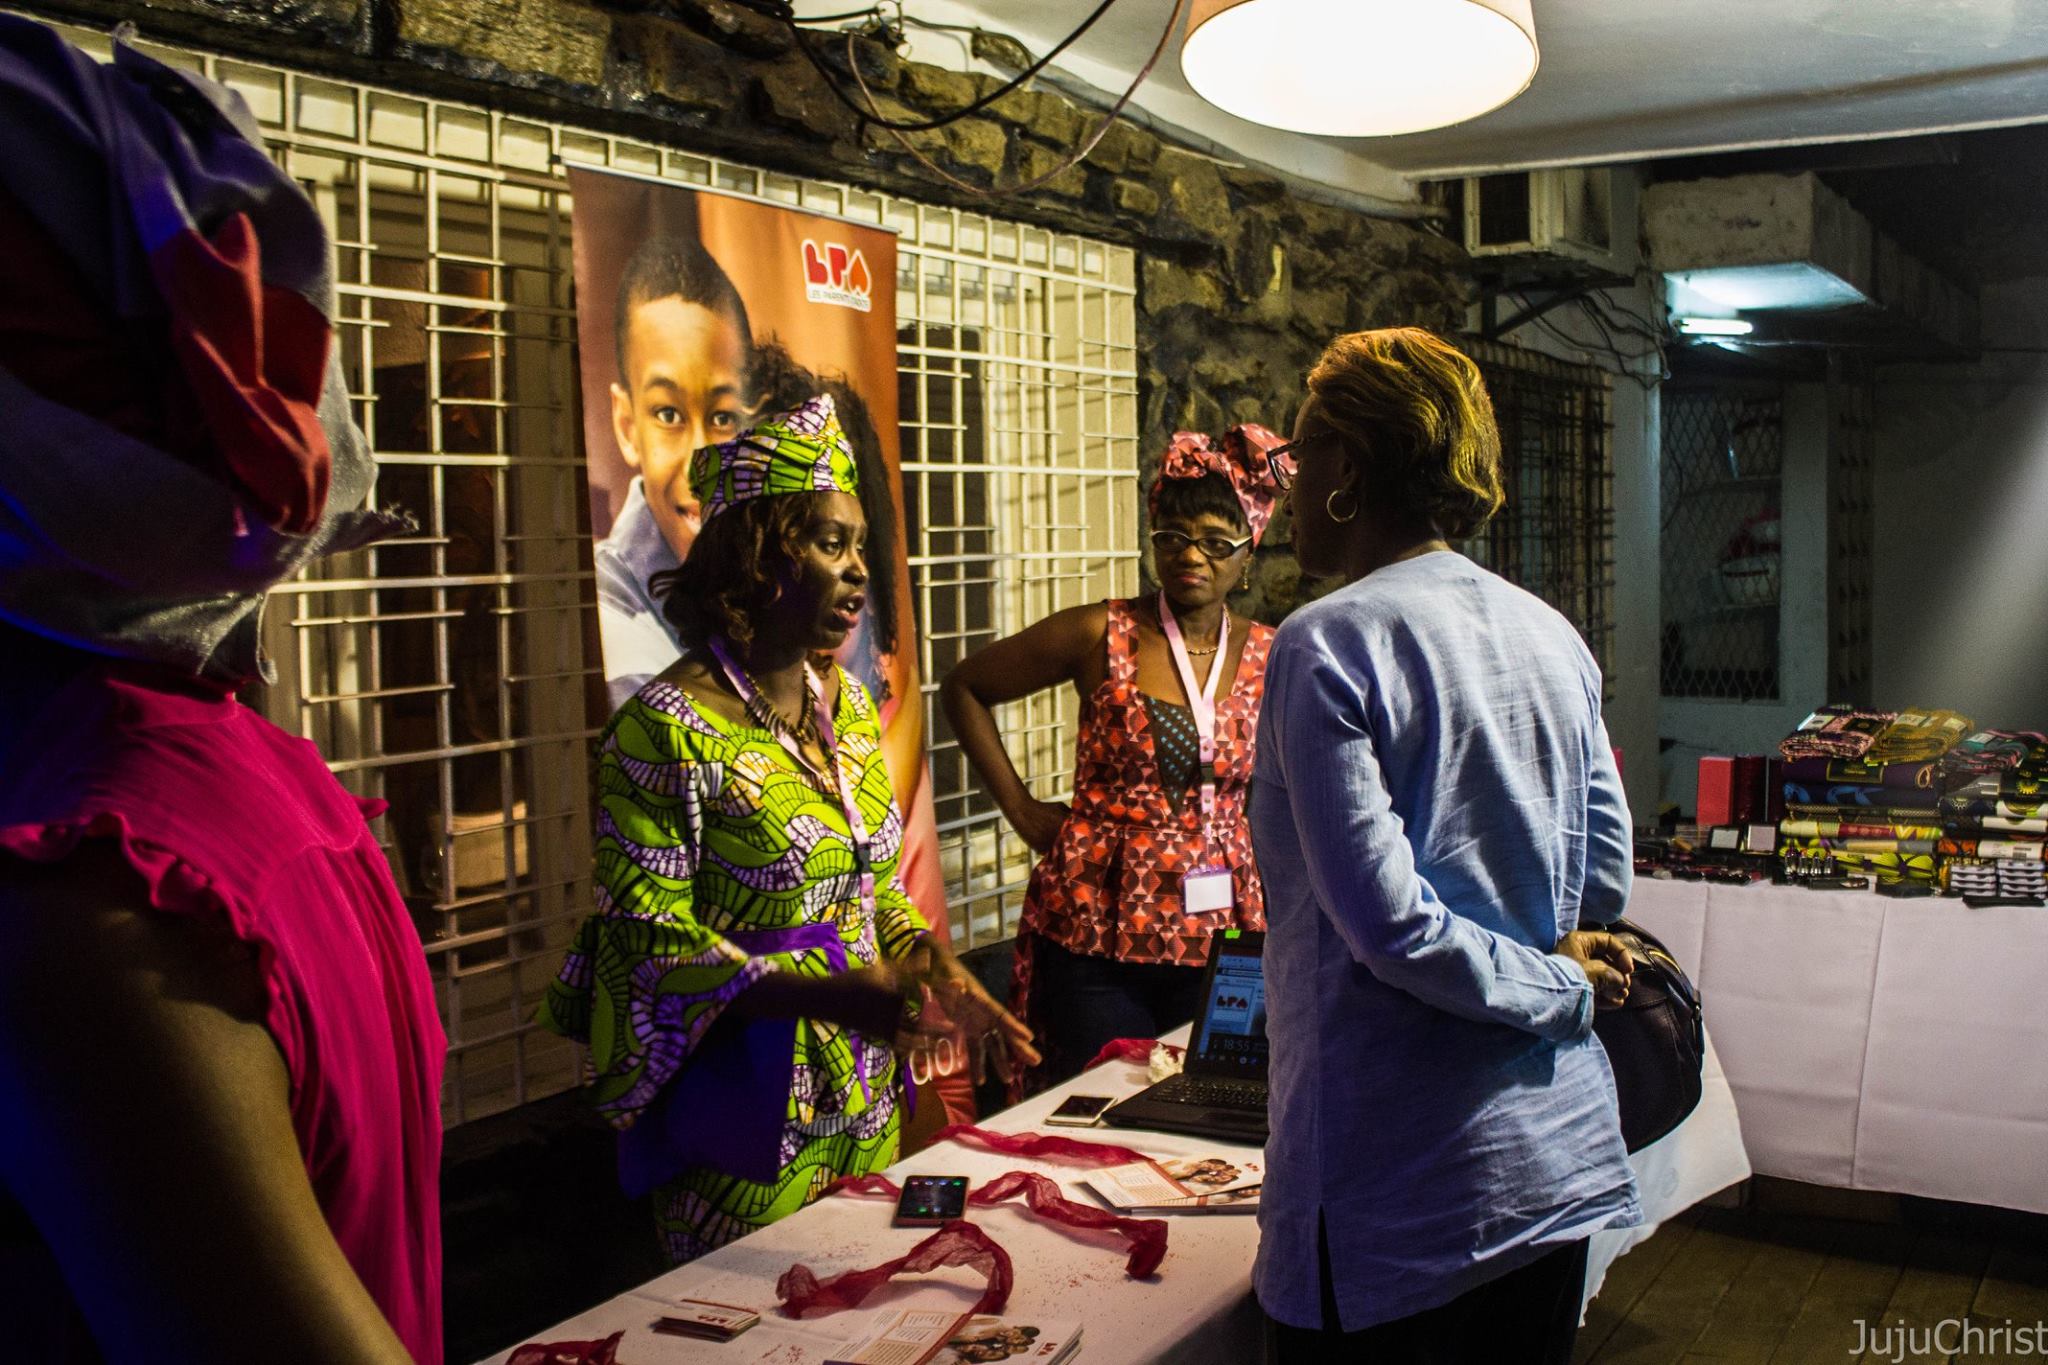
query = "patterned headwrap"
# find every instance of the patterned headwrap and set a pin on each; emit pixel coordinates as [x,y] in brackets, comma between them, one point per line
[801,451]
[153,185]
[1241,459]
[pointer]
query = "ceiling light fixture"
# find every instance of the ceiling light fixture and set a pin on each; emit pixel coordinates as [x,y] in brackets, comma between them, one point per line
[1359,68]
[1716,327]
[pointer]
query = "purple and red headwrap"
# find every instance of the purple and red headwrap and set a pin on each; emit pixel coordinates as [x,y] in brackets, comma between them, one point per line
[189,275]
[1241,459]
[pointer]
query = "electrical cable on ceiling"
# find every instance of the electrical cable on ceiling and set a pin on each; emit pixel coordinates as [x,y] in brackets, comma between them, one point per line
[781,9]
[1087,145]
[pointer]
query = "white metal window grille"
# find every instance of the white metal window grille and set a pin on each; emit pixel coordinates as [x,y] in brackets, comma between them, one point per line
[455,673]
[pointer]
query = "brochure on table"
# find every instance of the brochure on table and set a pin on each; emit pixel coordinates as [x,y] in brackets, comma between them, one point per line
[918,1336]
[1187,1184]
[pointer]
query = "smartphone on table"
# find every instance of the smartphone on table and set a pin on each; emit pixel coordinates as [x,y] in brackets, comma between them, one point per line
[1080,1111]
[929,1200]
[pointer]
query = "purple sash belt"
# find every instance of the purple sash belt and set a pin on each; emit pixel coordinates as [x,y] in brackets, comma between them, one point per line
[727,1107]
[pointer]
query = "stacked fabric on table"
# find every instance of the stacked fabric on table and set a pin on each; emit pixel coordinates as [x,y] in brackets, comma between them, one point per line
[1994,809]
[1863,788]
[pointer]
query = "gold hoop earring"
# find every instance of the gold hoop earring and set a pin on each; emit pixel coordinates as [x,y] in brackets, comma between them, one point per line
[1330,506]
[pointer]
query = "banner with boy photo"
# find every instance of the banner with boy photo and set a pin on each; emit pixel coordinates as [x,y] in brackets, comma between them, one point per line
[696,313]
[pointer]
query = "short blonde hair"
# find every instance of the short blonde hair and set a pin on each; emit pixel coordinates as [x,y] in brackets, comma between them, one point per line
[1414,410]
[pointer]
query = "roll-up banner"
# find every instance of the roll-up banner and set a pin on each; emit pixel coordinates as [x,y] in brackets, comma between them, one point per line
[698,312]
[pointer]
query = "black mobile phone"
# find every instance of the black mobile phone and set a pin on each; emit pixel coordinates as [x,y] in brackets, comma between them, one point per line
[929,1200]
[1081,1111]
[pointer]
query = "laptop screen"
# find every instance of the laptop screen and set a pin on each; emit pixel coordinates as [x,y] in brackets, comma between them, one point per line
[1232,1030]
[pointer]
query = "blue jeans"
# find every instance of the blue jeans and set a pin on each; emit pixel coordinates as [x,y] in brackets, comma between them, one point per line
[1085,1002]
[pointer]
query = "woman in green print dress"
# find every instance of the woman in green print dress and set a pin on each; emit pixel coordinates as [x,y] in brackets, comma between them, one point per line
[754,964]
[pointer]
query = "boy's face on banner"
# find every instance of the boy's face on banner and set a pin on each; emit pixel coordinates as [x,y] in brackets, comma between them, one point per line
[680,392]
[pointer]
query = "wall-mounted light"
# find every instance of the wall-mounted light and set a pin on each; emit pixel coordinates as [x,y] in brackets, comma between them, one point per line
[1716,327]
[1359,68]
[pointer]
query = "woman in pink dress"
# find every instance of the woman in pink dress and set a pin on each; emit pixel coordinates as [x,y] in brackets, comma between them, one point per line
[220,1060]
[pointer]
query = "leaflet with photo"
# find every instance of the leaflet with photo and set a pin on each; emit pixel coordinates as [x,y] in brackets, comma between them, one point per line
[1180,1185]
[915,1336]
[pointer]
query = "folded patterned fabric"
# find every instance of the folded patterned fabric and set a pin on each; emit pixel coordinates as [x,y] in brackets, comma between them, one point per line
[1859,815]
[1917,737]
[1959,807]
[1835,732]
[1854,795]
[1837,845]
[1859,771]
[2002,824]
[1982,792]
[2033,849]
[1995,751]
[1885,867]
[1857,829]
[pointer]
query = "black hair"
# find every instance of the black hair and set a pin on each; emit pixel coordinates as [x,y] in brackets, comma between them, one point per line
[1186,499]
[675,268]
[734,572]
[776,383]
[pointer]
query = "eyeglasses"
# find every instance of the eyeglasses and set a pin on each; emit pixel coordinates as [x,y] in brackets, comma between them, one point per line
[1285,462]
[1167,544]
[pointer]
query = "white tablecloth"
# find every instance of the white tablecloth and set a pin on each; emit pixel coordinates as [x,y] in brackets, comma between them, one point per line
[1197,1310]
[1874,1043]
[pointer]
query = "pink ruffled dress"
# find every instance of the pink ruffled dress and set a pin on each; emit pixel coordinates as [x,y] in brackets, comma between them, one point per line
[225,815]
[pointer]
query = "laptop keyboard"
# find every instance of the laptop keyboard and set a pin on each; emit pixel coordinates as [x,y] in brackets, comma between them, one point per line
[1186,1089]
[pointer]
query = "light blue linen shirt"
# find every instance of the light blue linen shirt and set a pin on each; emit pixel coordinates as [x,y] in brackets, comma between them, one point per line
[1434,804]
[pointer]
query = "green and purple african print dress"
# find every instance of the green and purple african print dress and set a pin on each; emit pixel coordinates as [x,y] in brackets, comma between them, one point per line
[710,836]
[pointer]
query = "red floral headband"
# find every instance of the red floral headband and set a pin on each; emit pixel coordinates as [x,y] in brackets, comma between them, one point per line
[1241,459]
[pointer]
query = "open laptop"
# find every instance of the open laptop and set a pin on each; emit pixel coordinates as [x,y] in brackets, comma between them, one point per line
[1222,1091]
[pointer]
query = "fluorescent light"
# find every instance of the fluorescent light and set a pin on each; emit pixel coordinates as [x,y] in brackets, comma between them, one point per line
[1760,288]
[1359,68]
[1716,327]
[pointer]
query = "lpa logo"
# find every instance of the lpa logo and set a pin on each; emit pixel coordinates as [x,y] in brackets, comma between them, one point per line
[837,276]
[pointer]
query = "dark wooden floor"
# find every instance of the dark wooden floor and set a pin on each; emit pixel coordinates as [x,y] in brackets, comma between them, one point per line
[1769,1284]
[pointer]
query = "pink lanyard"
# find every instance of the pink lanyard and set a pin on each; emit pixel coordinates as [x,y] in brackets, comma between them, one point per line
[828,740]
[1202,704]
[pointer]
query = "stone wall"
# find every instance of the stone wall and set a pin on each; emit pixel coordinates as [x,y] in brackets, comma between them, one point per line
[1240,280]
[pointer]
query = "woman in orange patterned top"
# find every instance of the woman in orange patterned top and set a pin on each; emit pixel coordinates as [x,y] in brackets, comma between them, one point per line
[1153,854]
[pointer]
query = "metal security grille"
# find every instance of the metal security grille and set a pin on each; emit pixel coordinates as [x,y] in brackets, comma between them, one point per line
[1018,367]
[454,674]
[1723,453]
[1555,536]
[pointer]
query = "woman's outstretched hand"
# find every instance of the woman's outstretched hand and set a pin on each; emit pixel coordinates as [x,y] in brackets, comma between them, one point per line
[958,1004]
[1604,959]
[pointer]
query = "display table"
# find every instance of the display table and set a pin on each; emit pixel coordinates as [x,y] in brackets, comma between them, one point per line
[1874,1043]
[1197,1309]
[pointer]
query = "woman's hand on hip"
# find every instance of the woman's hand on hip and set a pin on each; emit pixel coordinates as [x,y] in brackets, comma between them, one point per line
[1605,961]
[1038,823]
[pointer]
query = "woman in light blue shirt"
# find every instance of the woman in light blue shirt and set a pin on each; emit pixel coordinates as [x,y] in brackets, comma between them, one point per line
[1435,809]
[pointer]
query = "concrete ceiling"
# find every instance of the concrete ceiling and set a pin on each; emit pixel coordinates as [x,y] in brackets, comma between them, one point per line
[1620,80]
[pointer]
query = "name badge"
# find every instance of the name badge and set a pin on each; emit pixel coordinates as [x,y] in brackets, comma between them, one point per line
[1208,891]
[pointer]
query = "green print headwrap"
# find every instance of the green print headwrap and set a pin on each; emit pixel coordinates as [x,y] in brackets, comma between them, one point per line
[801,451]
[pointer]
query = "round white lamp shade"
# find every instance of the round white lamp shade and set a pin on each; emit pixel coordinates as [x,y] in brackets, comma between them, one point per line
[1359,68]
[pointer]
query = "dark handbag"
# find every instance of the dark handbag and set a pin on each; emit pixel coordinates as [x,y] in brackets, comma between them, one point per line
[1656,1041]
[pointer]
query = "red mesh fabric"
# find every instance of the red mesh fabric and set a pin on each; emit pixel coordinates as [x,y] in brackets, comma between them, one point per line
[1144,1239]
[957,1243]
[1137,1050]
[1041,1146]
[604,1352]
